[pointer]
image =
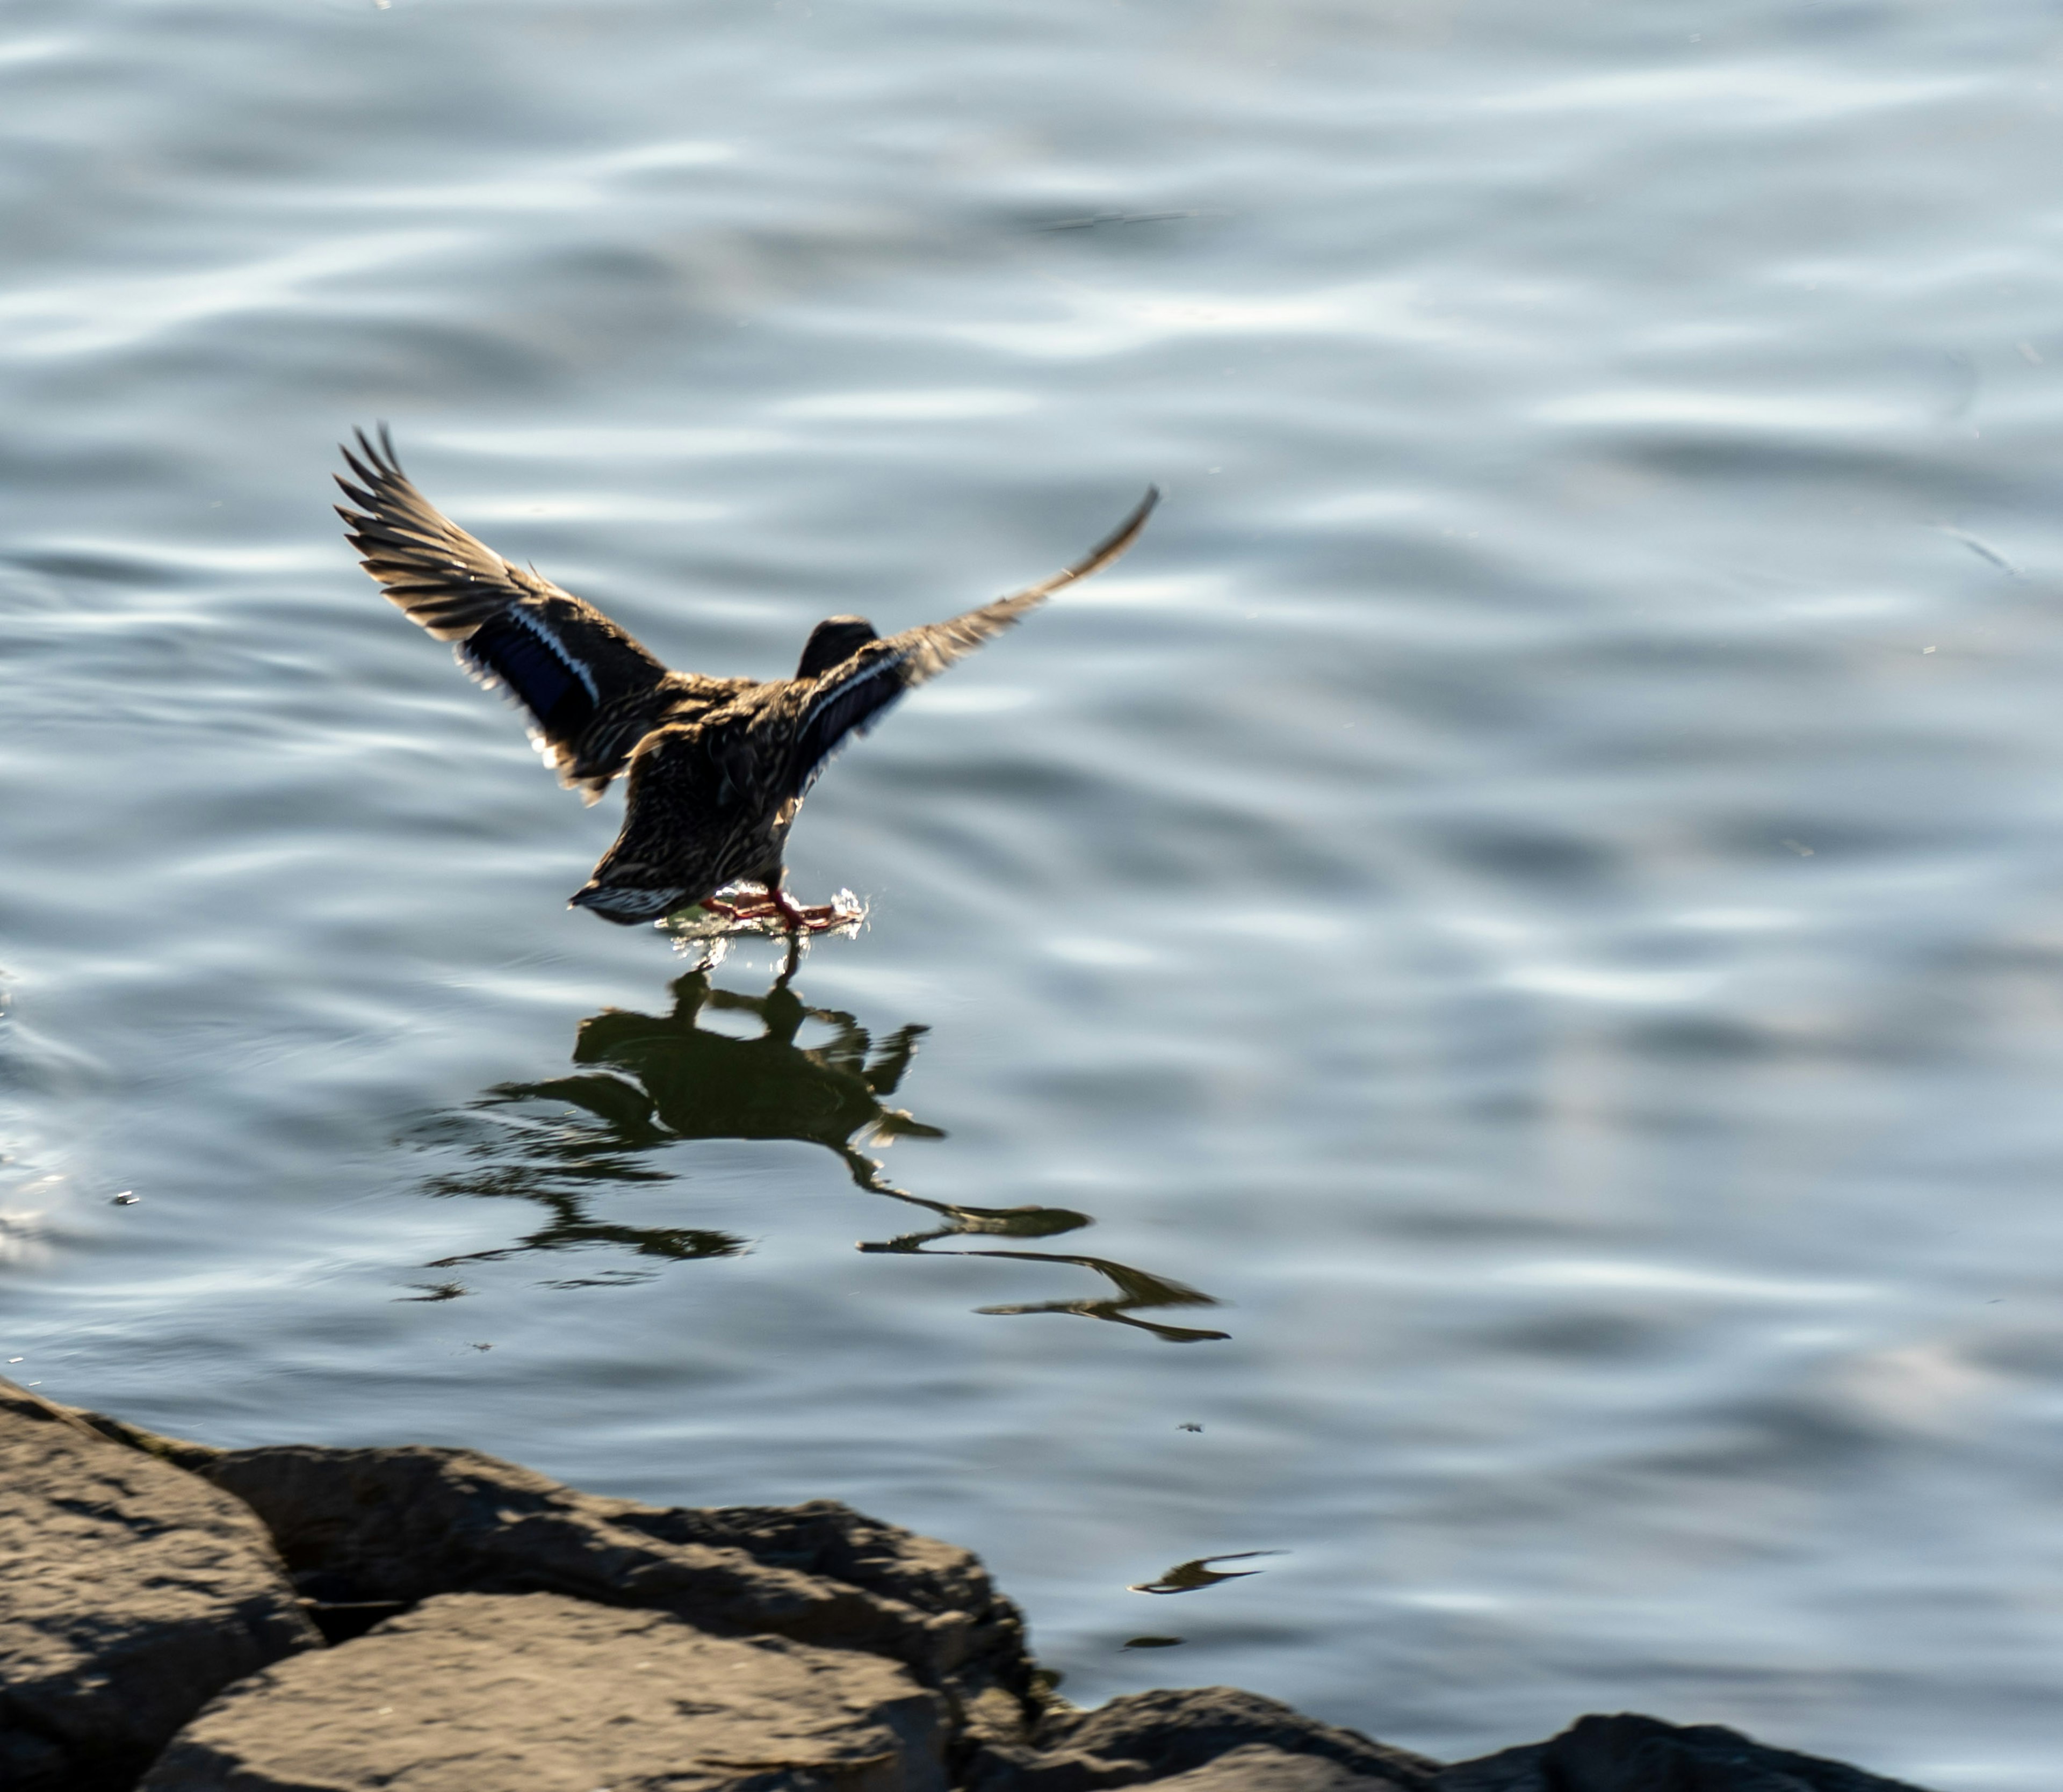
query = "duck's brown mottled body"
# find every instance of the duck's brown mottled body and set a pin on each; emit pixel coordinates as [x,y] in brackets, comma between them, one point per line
[717,767]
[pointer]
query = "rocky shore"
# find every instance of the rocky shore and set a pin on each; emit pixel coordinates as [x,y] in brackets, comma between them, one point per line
[178,1618]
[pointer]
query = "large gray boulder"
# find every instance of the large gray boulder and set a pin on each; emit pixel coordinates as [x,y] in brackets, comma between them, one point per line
[409,1523]
[1631,1753]
[130,1594]
[1146,1738]
[534,1693]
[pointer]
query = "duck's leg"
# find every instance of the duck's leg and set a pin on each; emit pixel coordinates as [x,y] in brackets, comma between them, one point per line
[796,918]
[760,907]
[800,919]
[739,911]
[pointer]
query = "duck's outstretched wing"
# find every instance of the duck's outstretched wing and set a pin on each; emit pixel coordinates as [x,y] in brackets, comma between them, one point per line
[591,692]
[850,697]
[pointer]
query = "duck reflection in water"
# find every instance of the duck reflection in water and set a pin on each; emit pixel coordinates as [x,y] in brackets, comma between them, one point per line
[658,1080]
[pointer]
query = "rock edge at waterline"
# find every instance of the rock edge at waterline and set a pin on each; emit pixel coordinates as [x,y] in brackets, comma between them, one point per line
[178,1618]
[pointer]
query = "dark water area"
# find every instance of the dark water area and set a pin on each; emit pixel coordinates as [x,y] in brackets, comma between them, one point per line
[1485,1011]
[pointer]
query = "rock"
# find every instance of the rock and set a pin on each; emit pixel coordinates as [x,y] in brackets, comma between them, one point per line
[1632,1754]
[1508,1770]
[489,1693]
[823,1537]
[991,1684]
[410,1523]
[496,1628]
[1263,1769]
[130,1594]
[1145,1738]
[174,1450]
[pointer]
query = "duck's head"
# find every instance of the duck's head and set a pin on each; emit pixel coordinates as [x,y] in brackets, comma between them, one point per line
[832,642]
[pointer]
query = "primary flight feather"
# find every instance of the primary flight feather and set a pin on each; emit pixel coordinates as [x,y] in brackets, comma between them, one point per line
[717,767]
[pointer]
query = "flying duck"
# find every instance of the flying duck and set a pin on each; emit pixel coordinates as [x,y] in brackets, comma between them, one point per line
[718,766]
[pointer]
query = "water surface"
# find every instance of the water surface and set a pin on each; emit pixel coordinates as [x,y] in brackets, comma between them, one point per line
[1484,1011]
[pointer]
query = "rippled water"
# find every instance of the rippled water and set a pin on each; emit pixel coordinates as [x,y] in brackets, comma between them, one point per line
[1531,903]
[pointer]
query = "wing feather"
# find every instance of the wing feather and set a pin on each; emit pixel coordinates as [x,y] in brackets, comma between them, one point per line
[852,696]
[591,691]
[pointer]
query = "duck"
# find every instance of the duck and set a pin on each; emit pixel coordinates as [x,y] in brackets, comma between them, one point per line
[715,769]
